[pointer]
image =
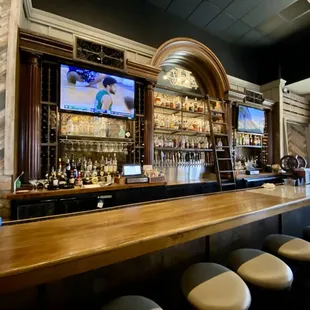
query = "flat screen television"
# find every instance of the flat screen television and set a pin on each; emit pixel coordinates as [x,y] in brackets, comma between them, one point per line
[251,120]
[99,93]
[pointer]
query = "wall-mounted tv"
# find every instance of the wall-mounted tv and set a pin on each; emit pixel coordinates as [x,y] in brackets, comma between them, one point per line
[88,91]
[251,120]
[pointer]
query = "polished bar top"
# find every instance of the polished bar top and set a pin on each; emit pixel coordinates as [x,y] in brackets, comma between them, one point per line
[44,251]
[114,187]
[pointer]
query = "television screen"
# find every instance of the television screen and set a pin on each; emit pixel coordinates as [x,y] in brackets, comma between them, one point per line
[84,90]
[251,120]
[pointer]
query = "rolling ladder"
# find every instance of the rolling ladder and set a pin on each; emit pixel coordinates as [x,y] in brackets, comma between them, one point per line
[222,154]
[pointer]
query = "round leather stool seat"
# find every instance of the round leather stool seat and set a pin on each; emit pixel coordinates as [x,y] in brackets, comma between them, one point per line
[209,286]
[288,247]
[131,303]
[306,233]
[261,269]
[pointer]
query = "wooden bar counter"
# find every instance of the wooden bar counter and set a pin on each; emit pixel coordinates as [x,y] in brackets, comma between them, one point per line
[43,251]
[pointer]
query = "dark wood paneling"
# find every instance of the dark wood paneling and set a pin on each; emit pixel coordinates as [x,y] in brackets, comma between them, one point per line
[246,236]
[38,43]
[294,222]
[149,125]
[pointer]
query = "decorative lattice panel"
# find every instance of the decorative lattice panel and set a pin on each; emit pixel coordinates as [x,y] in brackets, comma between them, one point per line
[98,54]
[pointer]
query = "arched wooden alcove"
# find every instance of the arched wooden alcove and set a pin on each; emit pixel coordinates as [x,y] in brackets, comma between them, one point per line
[195,57]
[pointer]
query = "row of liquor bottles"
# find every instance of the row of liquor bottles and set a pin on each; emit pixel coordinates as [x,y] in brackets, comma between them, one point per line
[179,159]
[174,122]
[83,171]
[178,103]
[184,142]
[248,139]
[84,125]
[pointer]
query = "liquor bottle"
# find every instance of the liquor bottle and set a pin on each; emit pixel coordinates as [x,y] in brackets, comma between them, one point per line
[109,164]
[90,165]
[55,181]
[73,168]
[50,177]
[79,164]
[59,172]
[71,178]
[68,168]
[95,166]
[78,180]
[106,167]
[71,159]
[114,169]
[102,163]
[122,132]
[109,178]
[84,164]
[108,129]
[69,126]
[62,179]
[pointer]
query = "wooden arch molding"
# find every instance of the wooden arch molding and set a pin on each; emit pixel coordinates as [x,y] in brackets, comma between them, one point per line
[199,59]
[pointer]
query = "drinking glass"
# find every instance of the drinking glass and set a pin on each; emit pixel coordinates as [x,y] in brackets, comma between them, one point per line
[111,148]
[85,146]
[98,148]
[79,147]
[44,182]
[33,183]
[72,146]
[65,146]
[91,149]
[105,148]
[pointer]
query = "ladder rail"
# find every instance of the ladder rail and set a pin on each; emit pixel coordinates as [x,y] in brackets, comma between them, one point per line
[226,147]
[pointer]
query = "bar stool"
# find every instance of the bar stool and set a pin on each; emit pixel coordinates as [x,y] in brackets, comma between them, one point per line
[131,303]
[269,278]
[209,286]
[296,252]
[292,249]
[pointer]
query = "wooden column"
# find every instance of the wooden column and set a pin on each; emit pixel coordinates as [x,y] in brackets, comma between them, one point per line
[29,115]
[149,125]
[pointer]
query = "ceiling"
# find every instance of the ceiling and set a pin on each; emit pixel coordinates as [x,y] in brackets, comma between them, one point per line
[301,87]
[244,22]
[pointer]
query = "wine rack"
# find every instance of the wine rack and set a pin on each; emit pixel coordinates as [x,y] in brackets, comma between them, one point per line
[139,124]
[265,143]
[49,116]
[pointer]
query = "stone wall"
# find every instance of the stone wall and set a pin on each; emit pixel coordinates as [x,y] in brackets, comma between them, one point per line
[9,23]
[4,30]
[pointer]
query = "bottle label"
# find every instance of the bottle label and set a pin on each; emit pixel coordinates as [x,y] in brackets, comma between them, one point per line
[71,181]
[100,204]
[55,182]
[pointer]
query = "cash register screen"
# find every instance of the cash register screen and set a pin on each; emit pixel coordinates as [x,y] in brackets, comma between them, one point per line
[131,170]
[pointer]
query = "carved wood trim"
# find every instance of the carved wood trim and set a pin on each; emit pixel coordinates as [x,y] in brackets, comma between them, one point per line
[38,43]
[30,122]
[208,67]
[142,70]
